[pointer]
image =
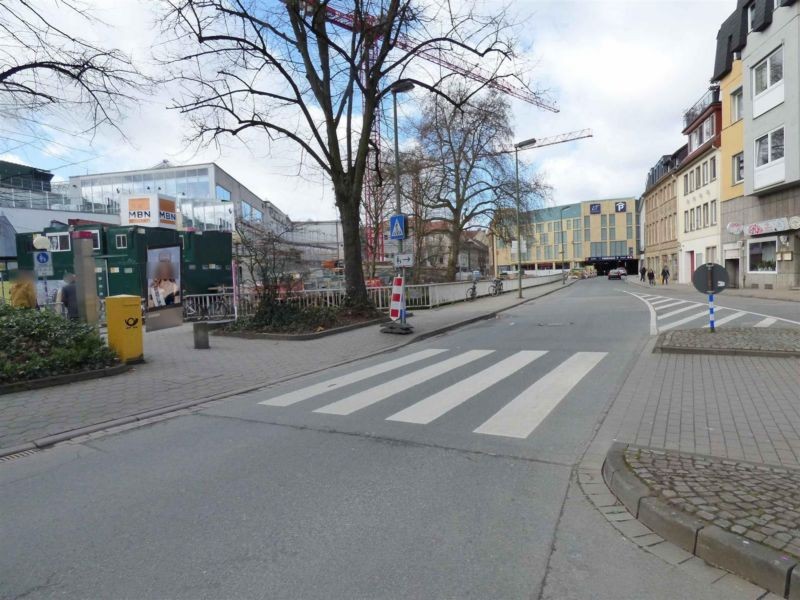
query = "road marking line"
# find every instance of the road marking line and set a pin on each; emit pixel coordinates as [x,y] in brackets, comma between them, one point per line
[355,376]
[766,322]
[520,417]
[656,303]
[663,306]
[680,310]
[653,328]
[389,388]
[680,322]
[718,322]
[433,407]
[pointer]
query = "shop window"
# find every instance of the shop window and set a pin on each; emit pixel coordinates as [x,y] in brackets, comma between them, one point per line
[59,242]
[761,256]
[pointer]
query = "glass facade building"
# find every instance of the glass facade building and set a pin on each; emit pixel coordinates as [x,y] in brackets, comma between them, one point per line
[207,197]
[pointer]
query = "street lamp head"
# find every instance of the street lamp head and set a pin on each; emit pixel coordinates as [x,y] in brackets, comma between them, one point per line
[401,87]
[525,144]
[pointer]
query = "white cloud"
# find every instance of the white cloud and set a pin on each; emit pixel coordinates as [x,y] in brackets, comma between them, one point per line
[625,69]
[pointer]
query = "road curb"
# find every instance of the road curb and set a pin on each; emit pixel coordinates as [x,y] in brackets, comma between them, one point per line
[663,348]
[54,380]
[64,436]
[751,560]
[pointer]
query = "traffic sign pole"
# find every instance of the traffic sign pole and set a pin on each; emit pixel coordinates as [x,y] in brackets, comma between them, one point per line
[710,268]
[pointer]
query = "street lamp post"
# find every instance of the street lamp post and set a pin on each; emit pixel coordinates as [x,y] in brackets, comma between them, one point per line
[563,246]
[399,87]
[517,147]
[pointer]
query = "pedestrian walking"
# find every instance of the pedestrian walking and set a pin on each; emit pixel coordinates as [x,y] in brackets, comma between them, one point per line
[69,297]
[23,291]
[651,276]
[664,275]
[642,274]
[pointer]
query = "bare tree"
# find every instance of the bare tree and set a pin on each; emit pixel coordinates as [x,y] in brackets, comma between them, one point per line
[466,147]
[43,66]
[268,258]
[299,70]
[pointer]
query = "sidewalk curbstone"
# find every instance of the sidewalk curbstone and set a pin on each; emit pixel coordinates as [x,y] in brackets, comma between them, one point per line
[761,565]
[674,525]
[771,569]
[794,583]
[622,481]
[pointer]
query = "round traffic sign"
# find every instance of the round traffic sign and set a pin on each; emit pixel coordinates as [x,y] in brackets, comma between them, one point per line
[42,257]
[710,278]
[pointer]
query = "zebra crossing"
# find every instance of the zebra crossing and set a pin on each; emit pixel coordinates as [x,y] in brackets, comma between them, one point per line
[669,313]
[518,418]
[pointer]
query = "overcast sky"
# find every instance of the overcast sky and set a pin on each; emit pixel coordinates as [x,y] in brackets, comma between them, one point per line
[626,69]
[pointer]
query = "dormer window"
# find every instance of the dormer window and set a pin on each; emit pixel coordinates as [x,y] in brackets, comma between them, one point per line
[751,16]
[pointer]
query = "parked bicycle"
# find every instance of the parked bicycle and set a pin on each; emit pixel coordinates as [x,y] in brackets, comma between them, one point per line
[472,292]
[496,287]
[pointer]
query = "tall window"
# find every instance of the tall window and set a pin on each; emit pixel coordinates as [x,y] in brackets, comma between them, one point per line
[769,148]
[713,212]
[737,105]
[751,16]
[612,224]
[698,185]
[705,172]
[705,214]
[738,168]
[768,72]
[629,225]
[685,221]
[685,184]
[692,220]
[712,167]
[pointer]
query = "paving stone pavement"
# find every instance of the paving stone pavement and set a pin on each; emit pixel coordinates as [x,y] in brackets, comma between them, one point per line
[734,407]
[758,502]
[175,372]
[738,339]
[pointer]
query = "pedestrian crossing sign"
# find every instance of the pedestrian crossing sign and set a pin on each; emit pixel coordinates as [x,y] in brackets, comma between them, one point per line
[397,227]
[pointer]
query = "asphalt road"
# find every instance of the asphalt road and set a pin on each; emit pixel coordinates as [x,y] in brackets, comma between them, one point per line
[443,470]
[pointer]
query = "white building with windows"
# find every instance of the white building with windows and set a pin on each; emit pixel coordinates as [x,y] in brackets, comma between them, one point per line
[699,187]
[763,225]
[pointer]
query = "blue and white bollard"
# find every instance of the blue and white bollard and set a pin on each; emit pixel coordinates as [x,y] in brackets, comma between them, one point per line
[711,311]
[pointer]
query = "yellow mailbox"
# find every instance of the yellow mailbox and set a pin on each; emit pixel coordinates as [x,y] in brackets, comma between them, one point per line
[124,321]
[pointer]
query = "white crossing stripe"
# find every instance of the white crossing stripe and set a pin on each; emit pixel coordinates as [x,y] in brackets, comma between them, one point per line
[680,322]
[671,304]
[354,377]
[679,311]
[390,388]
[520,417]
[662,301]
[722,321]
[765,322]
[433,407]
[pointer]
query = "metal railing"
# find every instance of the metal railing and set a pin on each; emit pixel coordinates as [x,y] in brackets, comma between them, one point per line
[709,98]
[197,307]
[14,198]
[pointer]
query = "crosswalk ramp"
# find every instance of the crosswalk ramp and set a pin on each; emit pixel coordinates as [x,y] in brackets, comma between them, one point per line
[403,378]
[672,313]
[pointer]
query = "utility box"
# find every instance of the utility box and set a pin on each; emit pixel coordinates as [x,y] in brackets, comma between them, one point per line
[124,322]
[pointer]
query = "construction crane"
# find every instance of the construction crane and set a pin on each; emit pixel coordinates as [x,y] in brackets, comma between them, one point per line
[561,138]
[353,22]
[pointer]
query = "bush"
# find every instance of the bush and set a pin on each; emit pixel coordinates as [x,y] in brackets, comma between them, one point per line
[274,316]
[38,344]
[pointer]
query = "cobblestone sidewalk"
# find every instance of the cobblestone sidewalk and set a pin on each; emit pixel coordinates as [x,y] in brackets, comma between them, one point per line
[758,502]
[175,372]
[735,340]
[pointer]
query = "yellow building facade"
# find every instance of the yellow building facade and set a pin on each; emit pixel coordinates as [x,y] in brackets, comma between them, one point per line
[600,233]
[732,142]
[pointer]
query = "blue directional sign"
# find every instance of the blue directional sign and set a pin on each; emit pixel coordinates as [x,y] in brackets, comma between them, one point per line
[397,227]
[43,265]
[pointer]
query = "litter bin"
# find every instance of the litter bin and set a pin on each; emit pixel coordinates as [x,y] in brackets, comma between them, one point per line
[124,322]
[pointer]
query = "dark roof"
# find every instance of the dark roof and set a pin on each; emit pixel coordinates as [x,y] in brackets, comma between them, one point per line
[732,35]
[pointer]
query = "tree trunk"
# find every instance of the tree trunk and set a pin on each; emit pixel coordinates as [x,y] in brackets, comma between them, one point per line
[452,259]
[353,273]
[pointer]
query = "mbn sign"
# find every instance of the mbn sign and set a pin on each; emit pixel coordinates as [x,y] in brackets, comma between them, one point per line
[139,214]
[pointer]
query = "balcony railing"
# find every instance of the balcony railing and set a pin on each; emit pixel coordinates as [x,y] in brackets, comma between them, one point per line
[709,98]
[14,198]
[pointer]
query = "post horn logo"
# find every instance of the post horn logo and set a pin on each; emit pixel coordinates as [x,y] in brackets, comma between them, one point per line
[131,322]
